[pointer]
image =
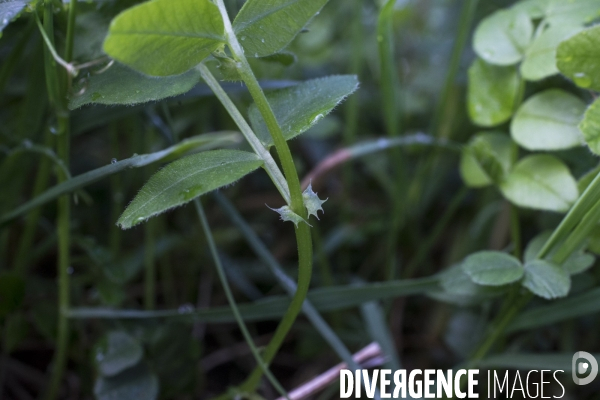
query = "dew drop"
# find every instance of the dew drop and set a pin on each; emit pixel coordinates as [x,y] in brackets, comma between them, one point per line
[139,219]
[262,40]
[256,55]
[96,96]
[317,118]
[243,38]
[53,129]
[137,91]
[113,161]
[582,80]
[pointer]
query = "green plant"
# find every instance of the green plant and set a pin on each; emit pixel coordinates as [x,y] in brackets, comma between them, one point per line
[473,253]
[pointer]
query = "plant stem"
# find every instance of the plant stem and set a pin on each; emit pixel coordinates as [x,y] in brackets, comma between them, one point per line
[283,151]
[303,237]
[515,231]
[64,206]
[270,164]
[464,26]
[149,266]
[231,300]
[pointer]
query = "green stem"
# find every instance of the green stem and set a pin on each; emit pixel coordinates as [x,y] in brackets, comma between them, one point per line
[149,266]
[389,78]
[285,156]
[515,231]
[303,237]
[31,222]
[270,164]
[464,27]
[438,229]
[231,300]
[64,206]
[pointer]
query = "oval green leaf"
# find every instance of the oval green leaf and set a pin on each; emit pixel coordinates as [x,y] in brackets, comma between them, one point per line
[299,107]
[540,57]
[579,58]
[493,93]
[486,159]
[503,37]
[492,268]
[546,279]
[542,182]
[590,127]
[122,85]
[121,351]
[186,179]
[266,27]
[548,121]
[572,12]
[165,37]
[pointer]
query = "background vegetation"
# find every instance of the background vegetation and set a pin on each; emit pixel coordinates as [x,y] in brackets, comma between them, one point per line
[471,130]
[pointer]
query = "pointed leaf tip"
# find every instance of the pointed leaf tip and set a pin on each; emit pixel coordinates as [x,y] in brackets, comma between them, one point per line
[312,202]
[287,214]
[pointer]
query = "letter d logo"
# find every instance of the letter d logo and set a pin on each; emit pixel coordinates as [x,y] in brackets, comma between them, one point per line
[582,367]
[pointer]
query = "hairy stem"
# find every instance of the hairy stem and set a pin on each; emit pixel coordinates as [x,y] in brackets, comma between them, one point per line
[230,299]
[270,164]
[303,237]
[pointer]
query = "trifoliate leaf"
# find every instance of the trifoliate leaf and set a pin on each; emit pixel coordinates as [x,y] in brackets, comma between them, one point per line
[312,202]
[287,214]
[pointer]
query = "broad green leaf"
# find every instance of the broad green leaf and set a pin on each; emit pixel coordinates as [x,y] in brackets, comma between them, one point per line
[122,85]
[12,292]
[10,9]
[548,121]
[299,107]
[165,37]
[534,8]
[197,143]
[541,182]
[458,288]
[493,268]
[265,27]
[590,127]
[540,57]
[186,179]
[119,352]
[493,93]
[134,383]
[570,12]
[546,279]
[486,159]
[579,58]
[503,37]
[577,262]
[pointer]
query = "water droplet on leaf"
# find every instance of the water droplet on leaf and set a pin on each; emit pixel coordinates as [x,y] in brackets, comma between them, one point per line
[113,161]
[582,80]
[96,96]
